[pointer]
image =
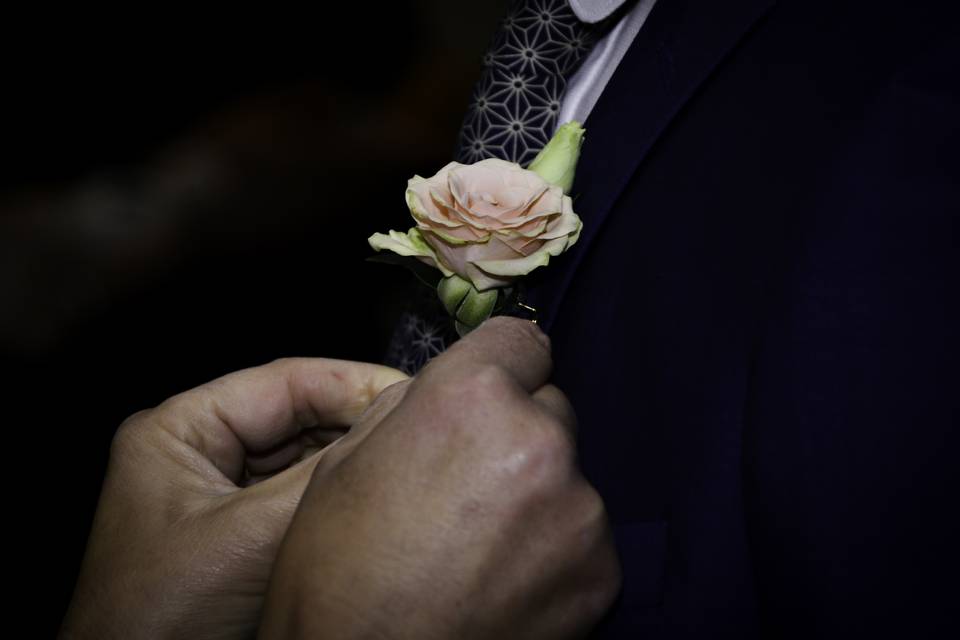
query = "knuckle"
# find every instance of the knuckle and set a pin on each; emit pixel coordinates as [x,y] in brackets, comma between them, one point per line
[555,444]
[543,460]
[120,443]
[559,413]
[563,404]
[553,439]
[593,509]
[129,432]
[135,422]
[489,381]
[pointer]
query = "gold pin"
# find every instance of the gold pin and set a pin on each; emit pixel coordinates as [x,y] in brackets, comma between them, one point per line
[530,309]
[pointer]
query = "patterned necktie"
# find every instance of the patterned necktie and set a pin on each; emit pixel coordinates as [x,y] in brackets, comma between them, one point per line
[512,115]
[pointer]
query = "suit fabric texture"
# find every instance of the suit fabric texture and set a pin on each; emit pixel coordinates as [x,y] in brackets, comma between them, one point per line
[758,327]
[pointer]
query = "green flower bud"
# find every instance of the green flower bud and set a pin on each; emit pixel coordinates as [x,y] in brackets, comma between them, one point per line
[557,162]
[452,291]
[468,306]
[476,307]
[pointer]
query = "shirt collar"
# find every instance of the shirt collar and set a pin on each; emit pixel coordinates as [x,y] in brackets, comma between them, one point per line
[592,11]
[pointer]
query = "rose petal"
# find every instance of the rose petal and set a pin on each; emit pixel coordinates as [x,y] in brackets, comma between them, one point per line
[523,266]
[460,257]
[494,190]
[423,208]
[521,244]
[562,225]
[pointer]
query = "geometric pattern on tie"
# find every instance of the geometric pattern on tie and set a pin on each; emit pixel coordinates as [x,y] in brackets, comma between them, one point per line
[514,107]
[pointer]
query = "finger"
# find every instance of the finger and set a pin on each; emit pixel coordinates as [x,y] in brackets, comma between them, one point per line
[260,466]
[516,346]
[272,501]
[277,458]
[555,403]
[256,410]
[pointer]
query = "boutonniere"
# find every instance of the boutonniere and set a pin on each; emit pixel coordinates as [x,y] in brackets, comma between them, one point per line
[485,225]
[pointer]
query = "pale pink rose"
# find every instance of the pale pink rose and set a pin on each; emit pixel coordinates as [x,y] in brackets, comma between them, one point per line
[488,222]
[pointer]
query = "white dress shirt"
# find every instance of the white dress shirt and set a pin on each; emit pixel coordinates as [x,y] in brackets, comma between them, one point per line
[588,82]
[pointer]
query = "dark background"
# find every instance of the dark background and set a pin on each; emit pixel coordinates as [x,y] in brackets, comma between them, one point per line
[182,196]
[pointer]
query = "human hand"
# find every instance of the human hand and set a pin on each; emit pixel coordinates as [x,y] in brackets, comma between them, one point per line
[452,509]
[198,494]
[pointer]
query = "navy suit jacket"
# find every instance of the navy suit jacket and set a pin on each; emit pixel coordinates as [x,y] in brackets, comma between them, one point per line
[759,325]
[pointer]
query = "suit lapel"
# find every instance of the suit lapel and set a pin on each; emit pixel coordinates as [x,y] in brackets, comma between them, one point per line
[678,48]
